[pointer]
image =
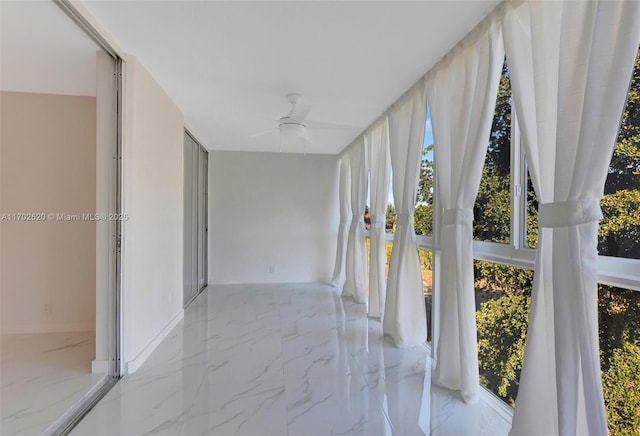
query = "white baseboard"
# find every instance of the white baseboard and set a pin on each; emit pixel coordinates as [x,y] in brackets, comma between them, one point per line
[133,365]
[99,366]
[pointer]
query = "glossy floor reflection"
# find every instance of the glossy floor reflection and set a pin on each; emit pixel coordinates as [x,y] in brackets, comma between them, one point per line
[43,375]
[283,360]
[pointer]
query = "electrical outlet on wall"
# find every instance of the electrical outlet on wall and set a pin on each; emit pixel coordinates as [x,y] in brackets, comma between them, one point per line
[272,269]
[47,308]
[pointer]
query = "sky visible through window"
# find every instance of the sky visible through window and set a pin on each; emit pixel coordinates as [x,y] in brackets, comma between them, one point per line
[428,140]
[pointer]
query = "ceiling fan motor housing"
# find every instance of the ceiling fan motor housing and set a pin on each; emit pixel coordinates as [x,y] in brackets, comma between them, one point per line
[292,129]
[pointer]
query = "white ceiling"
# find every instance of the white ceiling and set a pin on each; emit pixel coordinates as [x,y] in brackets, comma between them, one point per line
[42,50]
[229,64]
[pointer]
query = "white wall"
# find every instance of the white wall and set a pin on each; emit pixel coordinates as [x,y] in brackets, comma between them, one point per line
[272,210]
[48,145]
[153,195]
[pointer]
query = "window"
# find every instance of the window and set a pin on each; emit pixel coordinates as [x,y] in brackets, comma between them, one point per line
[503,298]
[619,236]
[390,212]
[619,322]
[619,230]
[618,307]
[503,273]
[423,213]
[506,231]
[426,268]
[531,214]
[619,233]
[492,209]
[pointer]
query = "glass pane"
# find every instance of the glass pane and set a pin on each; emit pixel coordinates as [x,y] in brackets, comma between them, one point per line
[619,321]
[531,235]
[194,219]
[388,248]
[619,233]
[423,214]
[189,258]
[202,217]
[503,298]
[426,267]
[367,211]
[390,213]
[492,211]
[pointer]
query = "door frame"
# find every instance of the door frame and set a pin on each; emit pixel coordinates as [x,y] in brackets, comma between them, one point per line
[199,148]
[70,419]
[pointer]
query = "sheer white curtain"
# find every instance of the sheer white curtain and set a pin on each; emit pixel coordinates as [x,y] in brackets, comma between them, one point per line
[344,197]
[462,95]
[355,285]
[404,313]
[570,65]
[380,163]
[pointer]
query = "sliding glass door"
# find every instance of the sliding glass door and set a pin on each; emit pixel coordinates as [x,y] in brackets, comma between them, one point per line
[195,218]
[203,162]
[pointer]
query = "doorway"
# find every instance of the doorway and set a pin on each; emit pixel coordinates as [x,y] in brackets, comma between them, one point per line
[60,173]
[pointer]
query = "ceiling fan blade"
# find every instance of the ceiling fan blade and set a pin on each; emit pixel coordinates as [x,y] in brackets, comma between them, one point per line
[266,132]
[331,126]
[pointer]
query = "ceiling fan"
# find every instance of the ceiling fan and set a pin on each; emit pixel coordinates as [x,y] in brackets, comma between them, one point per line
[294,125]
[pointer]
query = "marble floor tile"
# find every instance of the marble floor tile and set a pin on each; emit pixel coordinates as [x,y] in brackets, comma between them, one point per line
[340,405]
[142,404]
[43,375]
[238,409]
[259,359]
[284,360]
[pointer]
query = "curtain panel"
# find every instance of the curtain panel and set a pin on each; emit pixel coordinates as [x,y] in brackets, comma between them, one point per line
[462,95]
[570,64]
[404,314]
[380,165]
[356,266]
[344,198]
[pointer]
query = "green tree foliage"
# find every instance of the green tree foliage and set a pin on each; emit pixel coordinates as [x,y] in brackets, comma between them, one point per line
[495,277]
[502,329]
[426,259]
[619,231]
[492,209]
[367,218]
[624,170]
[619,309]
[425,182]
[423,218]
[498,161]
[390,219]
[621,385]
[423,213]
[532,216]
[619,319]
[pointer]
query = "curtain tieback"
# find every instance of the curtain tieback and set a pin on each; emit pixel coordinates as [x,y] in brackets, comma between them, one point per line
[461,215]
[568,213]
[404,219]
